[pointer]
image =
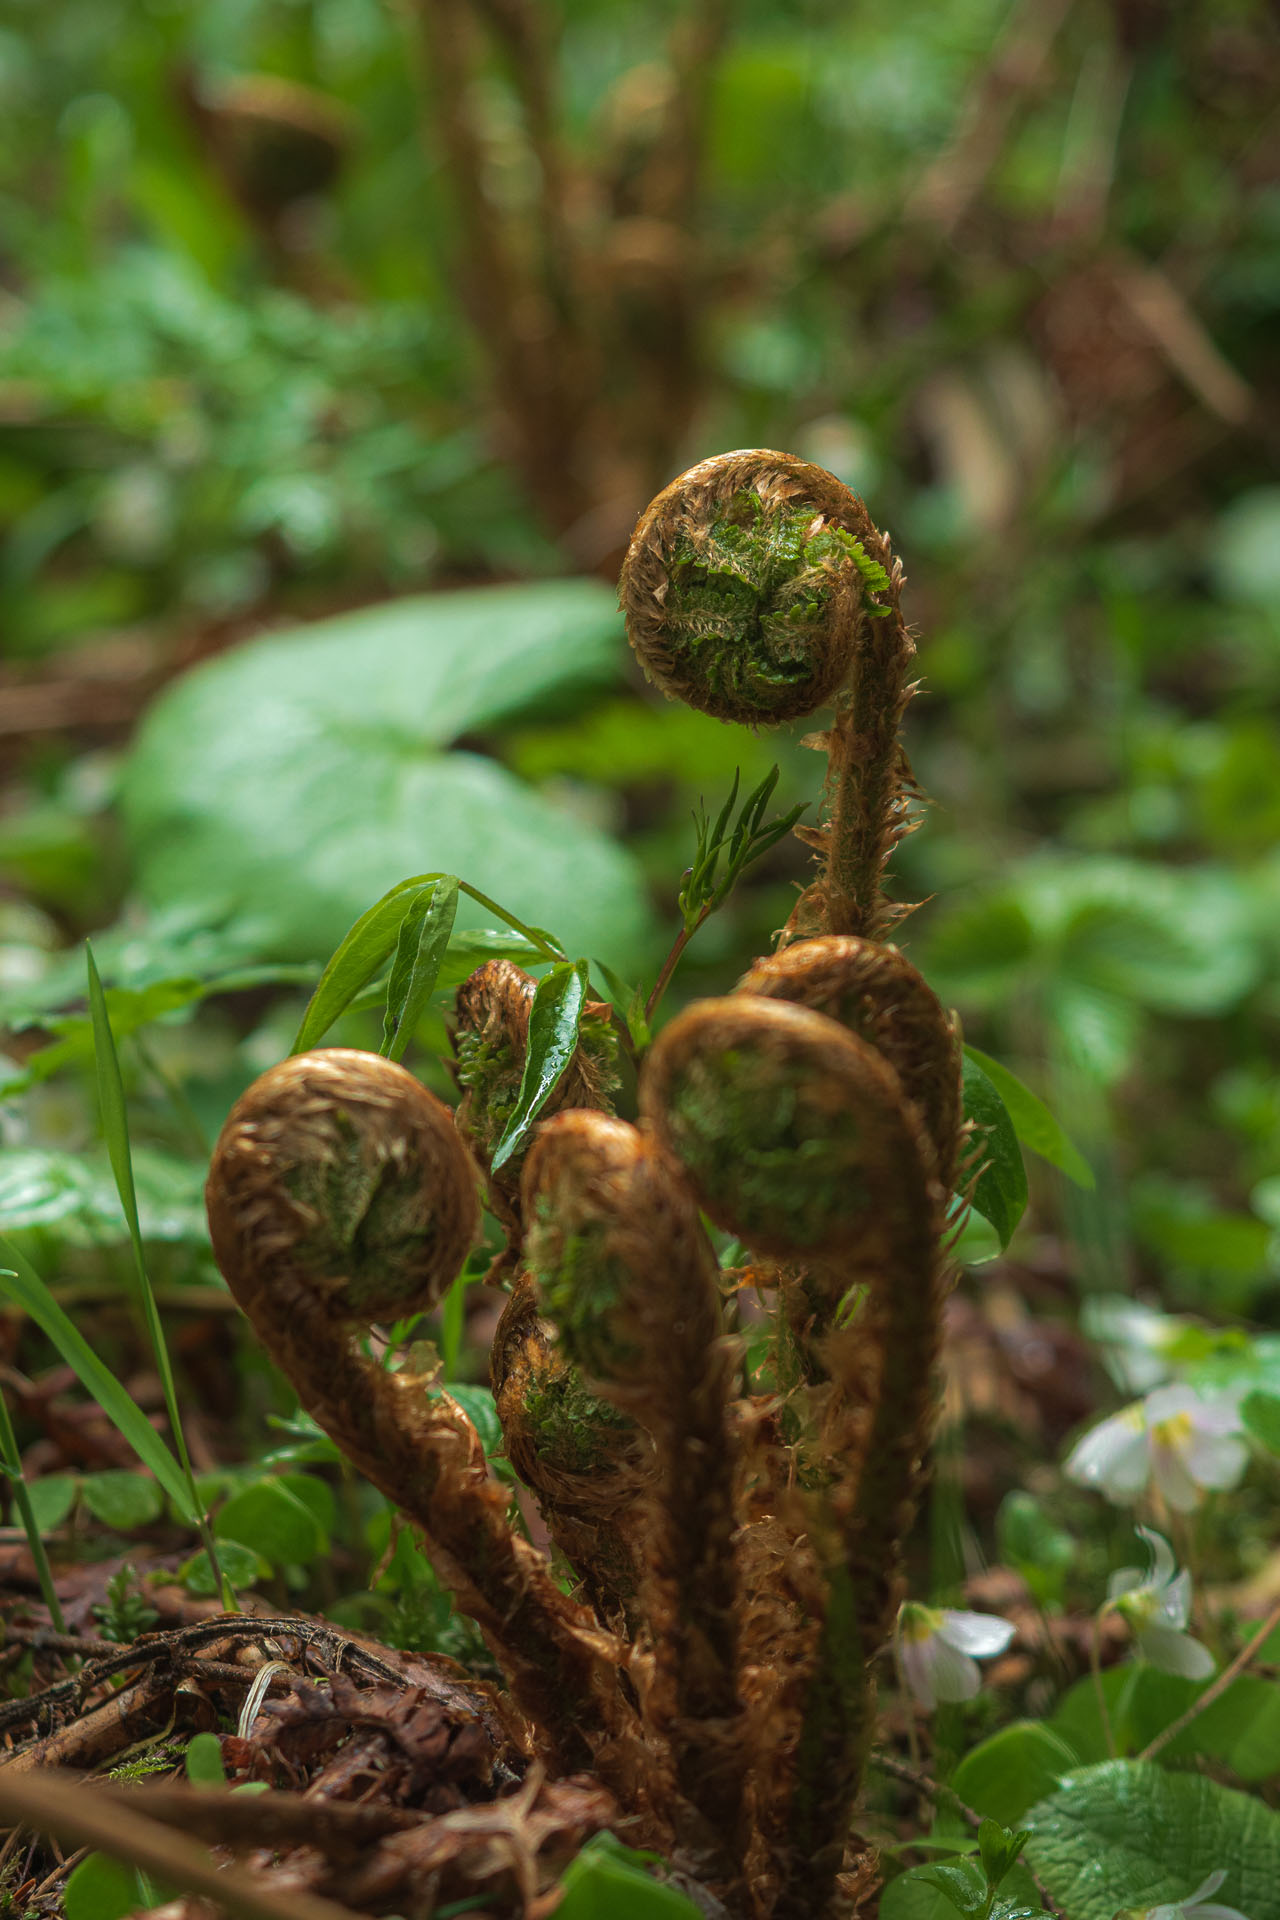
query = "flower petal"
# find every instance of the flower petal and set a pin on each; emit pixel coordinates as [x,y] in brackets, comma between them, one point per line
[1163,1563]
[1215,1459]
[1174,1652]
[1172,1478]
[1113,1457]
[955,1676]
[1174,1603]
[918,1659]
[979,1634]
[1213,1911]
[1206,1887]
[1125,1580]
[1166,1403]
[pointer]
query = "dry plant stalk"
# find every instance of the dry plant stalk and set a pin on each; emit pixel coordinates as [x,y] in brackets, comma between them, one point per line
[737,1556]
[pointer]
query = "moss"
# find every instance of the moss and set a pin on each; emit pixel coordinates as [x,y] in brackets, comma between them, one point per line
[775,1162]
[583,1288]
[490,1072]
[747,597]
[368,1215]
[573,1430]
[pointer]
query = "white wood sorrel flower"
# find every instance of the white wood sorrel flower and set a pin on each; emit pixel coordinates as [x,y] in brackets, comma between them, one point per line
[1184,1443]
[1157,1605]
[939,1649]
[1196,1906]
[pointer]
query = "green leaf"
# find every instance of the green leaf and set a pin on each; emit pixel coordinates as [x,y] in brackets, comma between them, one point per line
[269,1517]
[998,1849]
[28,1290]
[298,776]
[963,1885]
[1128,1834]
[420,949]
[1033,1123]
[131,1009]
[74,1197]
[204,1761]
[121,1499]
[238,1563]
[477,1403]
[980,948]
[366,945]
[604,1879]
[101,1888]
[1260,1414]
[1030,1543]
[52,1498]
[1000,1195]
[553,1035]
[1008,1773]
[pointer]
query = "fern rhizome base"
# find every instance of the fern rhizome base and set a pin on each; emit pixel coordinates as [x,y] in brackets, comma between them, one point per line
[734,1542]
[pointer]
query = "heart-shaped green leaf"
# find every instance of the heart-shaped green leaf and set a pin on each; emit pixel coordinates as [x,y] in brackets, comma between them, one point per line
[297,778]
[1128,1834]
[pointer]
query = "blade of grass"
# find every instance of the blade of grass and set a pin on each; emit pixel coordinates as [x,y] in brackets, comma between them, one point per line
[35,1540]
[25,1287]
[115,1127]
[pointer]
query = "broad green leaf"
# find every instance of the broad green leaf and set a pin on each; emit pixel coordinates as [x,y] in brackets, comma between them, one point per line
[204,1761]
[553,1035]
[1033,1123]
[131,1009]
[316,1495]
[1128,1834]
[238,1564]
[73,1196]
[1008,1773]
[122,1500]
[961,1882]
[980,948]
[269,1517]
[1260,1413]
[420,949]
[299,775]
[1000,1195]
[28,1290]
[1175,939]
[52,1497]
[913,1896]
[101,1888]
[605,1880]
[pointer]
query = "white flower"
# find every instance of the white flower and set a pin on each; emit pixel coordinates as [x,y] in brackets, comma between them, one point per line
[939,1648]
[1196,1906]
[1157,1605]
[1186,1443]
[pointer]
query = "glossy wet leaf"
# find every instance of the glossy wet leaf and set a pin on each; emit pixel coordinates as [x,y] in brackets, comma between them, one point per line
[1129,1834]
[553,1036]
[421,945]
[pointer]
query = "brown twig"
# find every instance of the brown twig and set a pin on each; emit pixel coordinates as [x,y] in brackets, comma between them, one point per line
[64,1807]
[1216,1688]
